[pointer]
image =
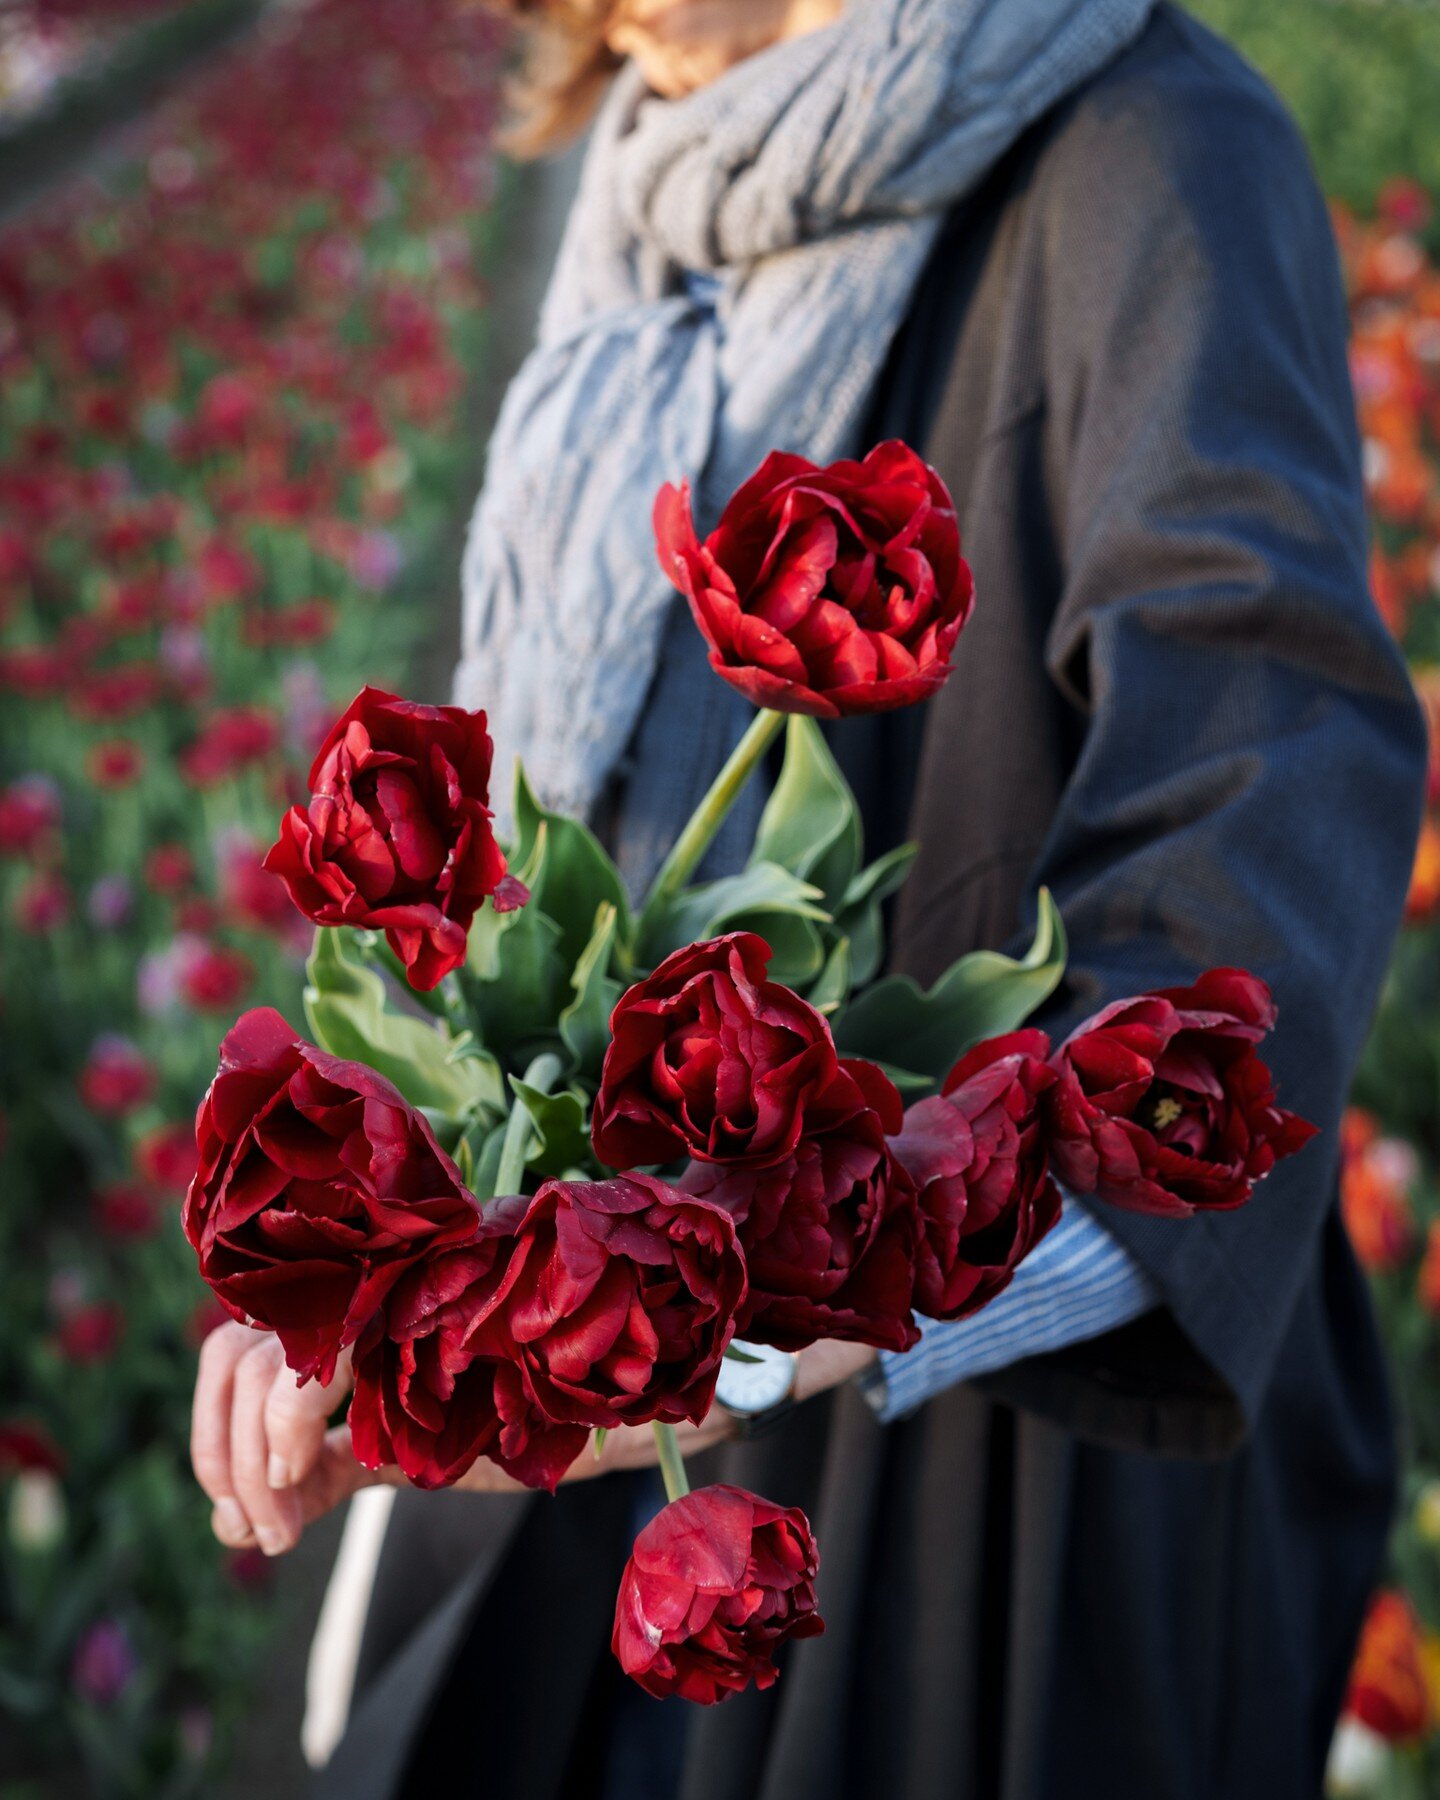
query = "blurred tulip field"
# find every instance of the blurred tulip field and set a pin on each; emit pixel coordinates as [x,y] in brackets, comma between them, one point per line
[237,352]
[234,364]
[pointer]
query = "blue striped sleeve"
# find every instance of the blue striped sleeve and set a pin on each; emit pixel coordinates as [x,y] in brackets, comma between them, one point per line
[1079,1283]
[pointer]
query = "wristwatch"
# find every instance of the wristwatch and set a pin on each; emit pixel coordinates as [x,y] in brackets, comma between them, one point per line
[756,1386]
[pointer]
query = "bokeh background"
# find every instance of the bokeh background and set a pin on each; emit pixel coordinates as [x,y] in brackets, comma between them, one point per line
[262,275]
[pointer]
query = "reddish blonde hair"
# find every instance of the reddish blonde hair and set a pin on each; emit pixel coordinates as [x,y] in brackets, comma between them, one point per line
[565,66]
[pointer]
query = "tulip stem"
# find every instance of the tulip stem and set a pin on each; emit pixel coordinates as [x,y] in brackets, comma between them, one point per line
[710,814]
[672,1463]
[510,1175]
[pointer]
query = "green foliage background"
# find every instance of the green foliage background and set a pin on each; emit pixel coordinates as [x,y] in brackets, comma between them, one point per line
[1361,76]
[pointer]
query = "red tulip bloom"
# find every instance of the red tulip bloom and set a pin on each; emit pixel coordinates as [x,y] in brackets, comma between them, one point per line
[711,1060]
[828,1231]
[616,1304]
[716,1583]
[1162,1104]
[318,1185]
[397,835]
[427,1400]
[826,591]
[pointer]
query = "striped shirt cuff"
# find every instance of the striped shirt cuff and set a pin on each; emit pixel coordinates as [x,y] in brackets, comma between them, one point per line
[1078,1283]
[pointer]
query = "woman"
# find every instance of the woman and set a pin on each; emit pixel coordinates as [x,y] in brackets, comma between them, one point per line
[1113,1536]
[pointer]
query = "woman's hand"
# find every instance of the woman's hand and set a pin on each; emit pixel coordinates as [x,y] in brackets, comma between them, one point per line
[259,1442]
[264,1455]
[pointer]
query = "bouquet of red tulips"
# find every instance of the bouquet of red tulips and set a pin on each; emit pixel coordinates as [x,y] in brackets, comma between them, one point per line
[602,1143]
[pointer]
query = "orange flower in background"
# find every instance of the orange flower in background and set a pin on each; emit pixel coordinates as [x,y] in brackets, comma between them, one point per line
[1376,1175]
[1388,1688]
[1387,590]
[1423,896]
[1426,679]
[1427,1282]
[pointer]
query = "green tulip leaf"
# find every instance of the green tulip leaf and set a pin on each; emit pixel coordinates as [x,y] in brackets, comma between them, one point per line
[562,1127]
[585,1022]
[482,1144]
[860,918]
[980,996]
[345,1005]
[515,975]
[574,876]
[737,903]
[832,986]
[911,1085]
[811,824]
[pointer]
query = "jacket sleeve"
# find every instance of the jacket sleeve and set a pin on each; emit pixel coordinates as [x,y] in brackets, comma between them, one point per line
[1249,769]
[1079,1282]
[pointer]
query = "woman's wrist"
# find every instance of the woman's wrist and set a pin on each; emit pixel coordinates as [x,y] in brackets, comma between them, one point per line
[827,1364]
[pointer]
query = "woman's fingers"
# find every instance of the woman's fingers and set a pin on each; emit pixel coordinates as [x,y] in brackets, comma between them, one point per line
[274,1515]
[295,1422]
[334,1475]
[256,1437]
[210,1427]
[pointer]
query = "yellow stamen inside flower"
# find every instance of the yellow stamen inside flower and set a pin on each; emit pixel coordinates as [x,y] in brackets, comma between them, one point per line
[1167,1111]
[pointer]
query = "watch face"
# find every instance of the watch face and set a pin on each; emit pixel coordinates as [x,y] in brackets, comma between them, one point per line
[754,1387]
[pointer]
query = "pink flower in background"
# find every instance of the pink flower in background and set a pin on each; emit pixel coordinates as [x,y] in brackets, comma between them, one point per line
[251,895]
[123,692]
[213,977]
[125,1210]
[29,814]
[38,671]
[232,739]
[207,1316]
[195,916]
[288,627]
[110,902]
[185,657]
[157,976]
[90,1332]
[229,404]
[115,763]
[1378,1175]
[104,1663]
[375,558]
[169,869]
[117,1076]
[43,901]
[307,712]
[165,1158]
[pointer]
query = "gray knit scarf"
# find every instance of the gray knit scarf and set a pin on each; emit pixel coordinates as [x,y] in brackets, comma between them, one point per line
[732,274]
